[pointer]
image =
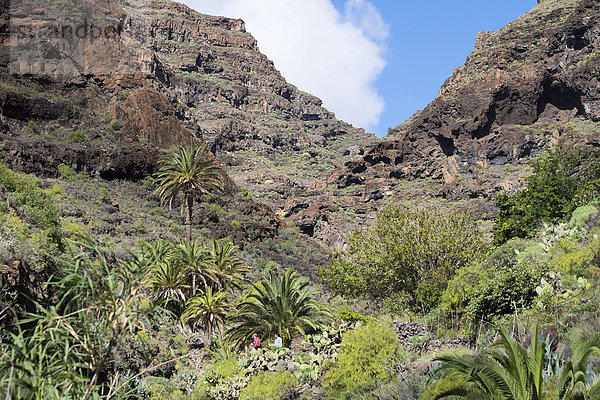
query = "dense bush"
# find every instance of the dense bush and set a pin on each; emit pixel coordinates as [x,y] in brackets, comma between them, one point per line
[410,254]
[553,191]
[509,288]
[367,355]
[39,210]
[270,386]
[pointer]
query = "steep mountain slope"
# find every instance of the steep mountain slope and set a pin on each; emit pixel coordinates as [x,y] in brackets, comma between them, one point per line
[102,87]
[524,88]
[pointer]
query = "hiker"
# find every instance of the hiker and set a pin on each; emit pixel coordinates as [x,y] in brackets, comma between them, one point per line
[278,342]
[255,342]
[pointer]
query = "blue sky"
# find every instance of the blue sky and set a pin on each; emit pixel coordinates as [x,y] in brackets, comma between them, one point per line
[372,62]
[427,41]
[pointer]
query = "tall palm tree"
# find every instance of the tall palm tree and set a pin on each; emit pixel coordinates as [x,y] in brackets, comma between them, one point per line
[189,172]
[228,267]
[284,305]
[209,310]
[510,371]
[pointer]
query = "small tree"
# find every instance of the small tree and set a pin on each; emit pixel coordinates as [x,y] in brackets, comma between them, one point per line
[228,268]
[411,253]
[196,261]
[189,172]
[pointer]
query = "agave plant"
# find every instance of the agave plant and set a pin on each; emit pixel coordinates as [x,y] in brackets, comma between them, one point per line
[282,304]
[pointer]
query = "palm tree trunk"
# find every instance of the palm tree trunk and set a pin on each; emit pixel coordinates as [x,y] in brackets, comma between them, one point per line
[189,201]
[208,333]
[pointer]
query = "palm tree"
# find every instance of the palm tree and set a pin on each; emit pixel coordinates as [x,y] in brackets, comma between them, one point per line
[195,258]
[511,371]
[284,305]
[188,171]
[168,281]
[228,267]
[209,310]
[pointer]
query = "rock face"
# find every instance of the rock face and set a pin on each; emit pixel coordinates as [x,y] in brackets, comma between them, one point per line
[521,90]
[102,86]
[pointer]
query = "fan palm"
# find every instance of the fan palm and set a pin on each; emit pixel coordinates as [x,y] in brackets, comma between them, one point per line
[228,267]
[189,172]
[283,304]
[512,372]
[208,310]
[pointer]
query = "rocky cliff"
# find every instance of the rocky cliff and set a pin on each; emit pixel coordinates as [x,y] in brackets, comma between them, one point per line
[103,86]
[524,88]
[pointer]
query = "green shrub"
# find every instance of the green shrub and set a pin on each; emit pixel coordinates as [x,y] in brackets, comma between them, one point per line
[509,288]
[33,127]
[464,286]
[139,227]
[38,206]
[77,136]
[222,370]
[552,193]
[346,314]
[410,254]
[66,172]
[367,355]
[115,124]
[270,386]
[584,217]
[158,388]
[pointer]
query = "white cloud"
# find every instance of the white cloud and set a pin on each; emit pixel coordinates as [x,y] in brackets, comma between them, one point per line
[335,56]
[365,15]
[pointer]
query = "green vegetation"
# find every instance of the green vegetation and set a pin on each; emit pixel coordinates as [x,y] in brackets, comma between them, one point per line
[274,386]
[187,171]
[513,371]
[207,309]
[283,305]
[38,209]
[367,355]
[78,136]
[553,192]
[104,309]
[406,257]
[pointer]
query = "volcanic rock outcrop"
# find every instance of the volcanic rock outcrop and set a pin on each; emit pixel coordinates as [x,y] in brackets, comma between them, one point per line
[524,88]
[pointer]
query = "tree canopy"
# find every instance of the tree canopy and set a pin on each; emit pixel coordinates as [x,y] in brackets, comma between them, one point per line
[411,253]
